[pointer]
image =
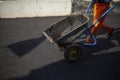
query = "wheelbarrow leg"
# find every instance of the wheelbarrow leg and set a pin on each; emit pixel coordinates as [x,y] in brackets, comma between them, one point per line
[61,47]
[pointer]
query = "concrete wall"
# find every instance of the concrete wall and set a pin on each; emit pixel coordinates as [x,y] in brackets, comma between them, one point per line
[33,8]
[36,8]
[81,5]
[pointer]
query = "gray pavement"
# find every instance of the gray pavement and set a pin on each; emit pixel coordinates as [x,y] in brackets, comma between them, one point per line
[25,54]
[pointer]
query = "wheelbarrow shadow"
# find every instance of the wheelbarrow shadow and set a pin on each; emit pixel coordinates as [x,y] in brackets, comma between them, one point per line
[23,47]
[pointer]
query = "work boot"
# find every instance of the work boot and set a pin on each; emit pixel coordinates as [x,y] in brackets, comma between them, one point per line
[89,40]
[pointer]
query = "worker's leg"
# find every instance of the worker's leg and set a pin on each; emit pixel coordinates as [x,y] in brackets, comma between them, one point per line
[99,9]
[96,28]
[106,29]
[94,31]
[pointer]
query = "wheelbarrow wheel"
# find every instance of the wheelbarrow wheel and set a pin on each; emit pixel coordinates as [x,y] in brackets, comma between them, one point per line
[72,53]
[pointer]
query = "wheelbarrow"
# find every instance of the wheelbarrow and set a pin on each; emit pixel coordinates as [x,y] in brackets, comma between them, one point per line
[66,31]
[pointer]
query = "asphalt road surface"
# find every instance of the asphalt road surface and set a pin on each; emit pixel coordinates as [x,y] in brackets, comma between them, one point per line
[25,54]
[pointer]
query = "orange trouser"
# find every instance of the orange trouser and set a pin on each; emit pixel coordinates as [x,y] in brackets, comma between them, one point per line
[99,9]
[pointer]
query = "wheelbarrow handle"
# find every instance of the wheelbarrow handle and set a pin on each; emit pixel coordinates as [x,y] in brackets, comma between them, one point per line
[89,7]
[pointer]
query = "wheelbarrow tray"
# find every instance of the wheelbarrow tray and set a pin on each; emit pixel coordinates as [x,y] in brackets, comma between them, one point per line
[67,29]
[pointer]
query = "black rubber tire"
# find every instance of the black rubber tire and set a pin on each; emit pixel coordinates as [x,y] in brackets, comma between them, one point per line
[72,53]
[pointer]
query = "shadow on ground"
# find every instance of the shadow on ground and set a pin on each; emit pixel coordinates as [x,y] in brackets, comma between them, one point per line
[90,67]
[102,67]
[23,47]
